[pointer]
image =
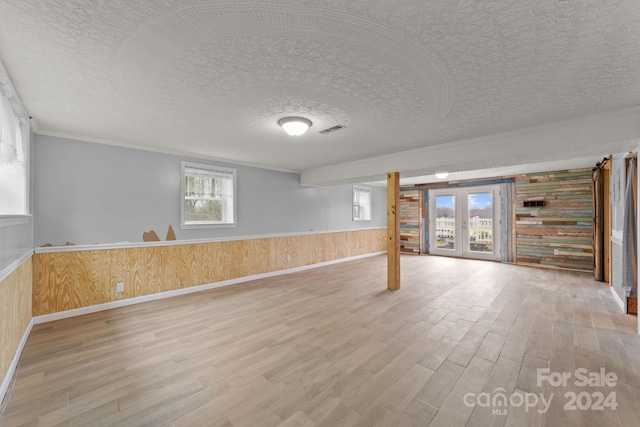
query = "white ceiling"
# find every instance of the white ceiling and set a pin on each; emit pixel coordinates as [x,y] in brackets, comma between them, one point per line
[408,78]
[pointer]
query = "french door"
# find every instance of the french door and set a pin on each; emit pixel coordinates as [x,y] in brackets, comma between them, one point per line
[465,222]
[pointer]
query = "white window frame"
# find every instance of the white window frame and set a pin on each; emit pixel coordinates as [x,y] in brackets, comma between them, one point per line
[212,169]
[361,212]
[8,92]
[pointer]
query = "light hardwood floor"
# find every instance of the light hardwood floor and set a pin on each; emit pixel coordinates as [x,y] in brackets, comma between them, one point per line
[333,347]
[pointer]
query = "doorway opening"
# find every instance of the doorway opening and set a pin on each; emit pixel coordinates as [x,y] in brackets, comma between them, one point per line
[465,222]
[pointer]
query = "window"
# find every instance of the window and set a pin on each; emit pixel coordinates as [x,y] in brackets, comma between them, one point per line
[208,196]
[14,134]
[361,203]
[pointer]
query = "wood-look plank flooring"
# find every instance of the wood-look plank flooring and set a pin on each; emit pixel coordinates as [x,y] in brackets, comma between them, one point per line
[333,347]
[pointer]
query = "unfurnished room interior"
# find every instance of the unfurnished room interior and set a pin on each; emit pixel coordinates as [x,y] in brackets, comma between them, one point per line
[319,213]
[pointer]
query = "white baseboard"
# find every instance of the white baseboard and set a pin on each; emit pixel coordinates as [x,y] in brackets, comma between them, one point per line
[137,300]
[618,299]
[6,381]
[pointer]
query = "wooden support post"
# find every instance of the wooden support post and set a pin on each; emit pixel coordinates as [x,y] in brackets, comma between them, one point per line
[393,231]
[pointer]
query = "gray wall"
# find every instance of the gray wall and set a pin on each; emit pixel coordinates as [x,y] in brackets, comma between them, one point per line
[88,193]
[15,241]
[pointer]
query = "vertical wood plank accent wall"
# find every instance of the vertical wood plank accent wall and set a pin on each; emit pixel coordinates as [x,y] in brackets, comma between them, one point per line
[564,224]
[15,312]
[410,221]
[68,280]
[507,221]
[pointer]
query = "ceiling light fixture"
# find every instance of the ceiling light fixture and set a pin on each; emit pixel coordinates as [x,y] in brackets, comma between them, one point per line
[442,175]
[294,126]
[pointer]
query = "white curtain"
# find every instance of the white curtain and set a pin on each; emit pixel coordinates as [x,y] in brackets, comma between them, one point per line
[11,148]
[629,230]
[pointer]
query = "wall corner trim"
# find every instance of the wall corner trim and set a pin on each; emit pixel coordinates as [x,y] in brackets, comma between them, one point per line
[616,297]
[13,266]
[137,300]
[6,381]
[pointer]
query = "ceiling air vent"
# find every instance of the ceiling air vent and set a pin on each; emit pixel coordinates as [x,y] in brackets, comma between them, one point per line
[332,129]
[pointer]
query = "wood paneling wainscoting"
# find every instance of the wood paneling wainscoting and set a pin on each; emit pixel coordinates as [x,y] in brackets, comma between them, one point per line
[76,278]
[15,317]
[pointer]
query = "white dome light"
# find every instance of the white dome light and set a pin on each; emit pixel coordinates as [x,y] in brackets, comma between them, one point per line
[294,126]
[442,175]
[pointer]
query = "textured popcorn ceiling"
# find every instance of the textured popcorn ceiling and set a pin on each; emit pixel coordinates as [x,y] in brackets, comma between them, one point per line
[211,78]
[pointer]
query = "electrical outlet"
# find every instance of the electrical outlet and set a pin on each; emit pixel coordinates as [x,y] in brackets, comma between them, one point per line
[288,257]
[535,212]
[357,245]
[120,287]
[556,252]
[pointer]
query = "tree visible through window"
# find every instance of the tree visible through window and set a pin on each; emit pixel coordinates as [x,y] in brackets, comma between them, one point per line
[208,195]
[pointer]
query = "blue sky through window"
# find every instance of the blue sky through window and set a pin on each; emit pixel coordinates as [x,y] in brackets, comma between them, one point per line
[477,201]
[480,200]
[445,201]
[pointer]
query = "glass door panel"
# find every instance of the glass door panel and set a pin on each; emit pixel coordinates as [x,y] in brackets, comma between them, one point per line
[480,222]
[465,222]
[445,222]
